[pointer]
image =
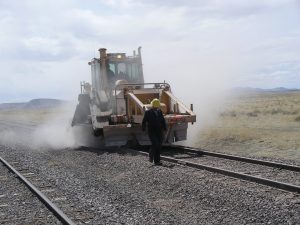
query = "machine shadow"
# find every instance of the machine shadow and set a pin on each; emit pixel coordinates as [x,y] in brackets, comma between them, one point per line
[124,150]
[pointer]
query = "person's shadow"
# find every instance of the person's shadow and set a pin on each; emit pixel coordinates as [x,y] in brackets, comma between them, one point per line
[170,166]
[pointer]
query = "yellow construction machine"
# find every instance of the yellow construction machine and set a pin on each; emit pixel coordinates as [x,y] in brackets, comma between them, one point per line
[113,104]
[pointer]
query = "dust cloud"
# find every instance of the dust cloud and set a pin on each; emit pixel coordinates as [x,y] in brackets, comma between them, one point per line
[204,81]
[207,112]
[57,132]
[39,129]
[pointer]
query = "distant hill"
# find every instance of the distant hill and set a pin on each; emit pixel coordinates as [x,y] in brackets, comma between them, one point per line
[277,89]
[34,104]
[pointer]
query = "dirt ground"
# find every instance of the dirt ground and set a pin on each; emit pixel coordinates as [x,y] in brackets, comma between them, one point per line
[259,124]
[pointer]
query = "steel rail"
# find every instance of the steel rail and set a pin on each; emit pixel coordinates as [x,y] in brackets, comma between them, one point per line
[50,205]
[237,158]
[242,176]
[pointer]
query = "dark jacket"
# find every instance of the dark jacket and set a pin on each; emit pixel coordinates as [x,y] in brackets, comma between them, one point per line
[155,120]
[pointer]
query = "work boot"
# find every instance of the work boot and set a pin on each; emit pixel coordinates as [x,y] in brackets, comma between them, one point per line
[150,155]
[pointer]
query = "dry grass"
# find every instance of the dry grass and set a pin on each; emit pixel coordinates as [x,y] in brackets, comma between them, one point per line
[257,124]
[38,116]
[27,115]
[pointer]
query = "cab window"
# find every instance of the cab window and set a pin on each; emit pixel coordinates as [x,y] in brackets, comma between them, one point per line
[112,67]
[133,72]
[121,68]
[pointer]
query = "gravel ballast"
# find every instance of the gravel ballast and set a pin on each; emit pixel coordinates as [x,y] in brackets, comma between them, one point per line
[18,205]
[120,187]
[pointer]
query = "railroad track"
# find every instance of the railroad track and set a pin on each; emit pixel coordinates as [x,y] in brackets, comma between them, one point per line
[61,216]
[277,175]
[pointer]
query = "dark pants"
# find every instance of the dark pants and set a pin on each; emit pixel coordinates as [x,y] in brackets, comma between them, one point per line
[156,140]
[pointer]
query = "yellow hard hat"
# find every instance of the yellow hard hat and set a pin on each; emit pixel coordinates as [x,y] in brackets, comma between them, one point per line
[155,103]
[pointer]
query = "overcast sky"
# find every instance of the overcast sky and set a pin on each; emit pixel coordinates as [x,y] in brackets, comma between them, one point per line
[195,45]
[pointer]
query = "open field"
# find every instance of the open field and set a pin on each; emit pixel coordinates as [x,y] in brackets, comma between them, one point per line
[259,124]
[27,115]
[262,124]
[38,115]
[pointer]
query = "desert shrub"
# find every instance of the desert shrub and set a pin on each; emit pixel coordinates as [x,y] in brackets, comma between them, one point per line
[297,119]
[284,112]
[276,111]
[252,114]
[230,113]
[281,111]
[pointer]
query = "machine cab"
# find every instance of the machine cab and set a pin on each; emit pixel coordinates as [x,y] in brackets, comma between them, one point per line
[113,67]
[120,67]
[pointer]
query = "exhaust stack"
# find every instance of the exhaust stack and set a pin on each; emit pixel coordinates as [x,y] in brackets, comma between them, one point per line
[102,53]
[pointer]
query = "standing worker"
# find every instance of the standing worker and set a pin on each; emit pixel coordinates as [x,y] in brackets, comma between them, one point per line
[156,125]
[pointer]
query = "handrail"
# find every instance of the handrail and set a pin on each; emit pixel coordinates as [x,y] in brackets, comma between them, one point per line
[138,84]
[161,86]
[137,101]
[180,103]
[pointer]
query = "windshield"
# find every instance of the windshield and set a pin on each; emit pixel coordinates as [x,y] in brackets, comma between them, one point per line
[125,71]
[133,72]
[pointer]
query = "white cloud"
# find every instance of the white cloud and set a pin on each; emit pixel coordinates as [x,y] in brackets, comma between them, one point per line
[45,44]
